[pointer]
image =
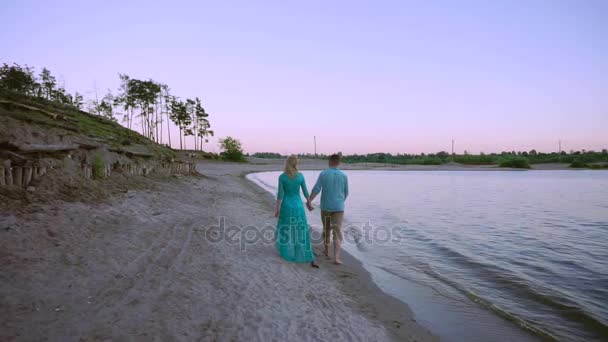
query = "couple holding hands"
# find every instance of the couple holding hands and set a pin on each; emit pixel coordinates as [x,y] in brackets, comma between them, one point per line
[293,234]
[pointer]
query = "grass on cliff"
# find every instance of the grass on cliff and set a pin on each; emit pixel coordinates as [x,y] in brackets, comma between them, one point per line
[44,113]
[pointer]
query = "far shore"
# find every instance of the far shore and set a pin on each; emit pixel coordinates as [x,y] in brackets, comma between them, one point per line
[318,164]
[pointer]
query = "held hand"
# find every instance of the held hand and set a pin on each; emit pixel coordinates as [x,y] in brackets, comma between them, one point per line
[309,206]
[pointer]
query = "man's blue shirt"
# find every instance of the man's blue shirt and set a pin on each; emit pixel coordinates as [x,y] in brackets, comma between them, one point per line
[333,186]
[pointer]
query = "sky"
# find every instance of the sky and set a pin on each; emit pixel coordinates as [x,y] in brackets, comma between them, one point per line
[362,76]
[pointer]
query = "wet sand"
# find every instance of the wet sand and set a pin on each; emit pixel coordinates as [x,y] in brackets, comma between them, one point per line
[148,265]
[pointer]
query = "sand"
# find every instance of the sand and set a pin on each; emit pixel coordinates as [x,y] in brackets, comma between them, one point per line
[146,265]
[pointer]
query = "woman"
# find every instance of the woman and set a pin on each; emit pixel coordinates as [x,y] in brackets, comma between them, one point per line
[292,235]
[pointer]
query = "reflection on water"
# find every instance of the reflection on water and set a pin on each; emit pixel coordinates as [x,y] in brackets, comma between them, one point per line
[469,251]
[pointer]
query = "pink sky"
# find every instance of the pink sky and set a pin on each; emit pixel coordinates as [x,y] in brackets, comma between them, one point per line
[391,76]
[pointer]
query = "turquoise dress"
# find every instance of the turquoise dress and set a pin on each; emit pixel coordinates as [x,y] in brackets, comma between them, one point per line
[292,235]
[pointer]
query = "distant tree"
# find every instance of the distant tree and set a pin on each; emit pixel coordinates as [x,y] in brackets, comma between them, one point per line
[105,107]
[61,96]
[78,100]
[165,97]
[232,149]
[137,95]
[48,83]
[202,128]
[17,78]
[191,126]
[179,115]
[443,155]
[126,99]
[145,94]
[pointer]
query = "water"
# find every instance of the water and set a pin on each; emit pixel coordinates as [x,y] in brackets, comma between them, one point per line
[484,255]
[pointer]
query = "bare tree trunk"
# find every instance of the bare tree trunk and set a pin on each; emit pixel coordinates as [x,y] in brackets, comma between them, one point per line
[160,100]
[169,128]
[143,124]
[147,123]
[156,122]
[130,118]
[160,130]
[150,122]
[180,139]
[195,134]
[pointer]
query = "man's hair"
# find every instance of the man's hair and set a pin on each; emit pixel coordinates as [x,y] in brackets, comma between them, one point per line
[334,159]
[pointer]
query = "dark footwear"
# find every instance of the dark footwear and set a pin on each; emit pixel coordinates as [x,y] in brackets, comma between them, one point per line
[312,264]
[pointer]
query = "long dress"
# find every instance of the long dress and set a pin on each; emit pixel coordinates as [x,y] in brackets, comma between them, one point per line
[292,234]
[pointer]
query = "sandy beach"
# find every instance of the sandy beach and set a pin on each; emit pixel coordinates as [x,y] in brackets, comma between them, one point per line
[147,265]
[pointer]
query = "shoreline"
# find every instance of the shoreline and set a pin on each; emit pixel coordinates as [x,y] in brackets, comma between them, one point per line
[517,329]
[356,282]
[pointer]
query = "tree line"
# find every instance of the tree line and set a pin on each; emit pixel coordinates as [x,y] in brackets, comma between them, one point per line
[521,159]
[146,102]
[529,157]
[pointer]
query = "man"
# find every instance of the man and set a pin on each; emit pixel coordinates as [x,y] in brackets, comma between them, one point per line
[333,186]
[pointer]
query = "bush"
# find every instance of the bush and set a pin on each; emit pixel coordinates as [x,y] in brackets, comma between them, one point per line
[578,164]
[515,162]
[232,149]
[470,159]
[97,167]
[425,161]
[267,155]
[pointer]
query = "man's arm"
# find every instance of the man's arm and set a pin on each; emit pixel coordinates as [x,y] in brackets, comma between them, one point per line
[345,187]
[312,197]
[315,191]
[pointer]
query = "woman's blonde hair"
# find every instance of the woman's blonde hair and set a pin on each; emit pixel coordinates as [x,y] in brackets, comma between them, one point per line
[291,166]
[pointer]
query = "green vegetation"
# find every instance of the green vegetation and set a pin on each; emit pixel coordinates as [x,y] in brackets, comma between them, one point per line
[578,163]
[232,149]
[147,100]
[515,162]
[271,155]
[505,159]
[471,159]
[50,114]
[597,166]
[423,159]
[97,166]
